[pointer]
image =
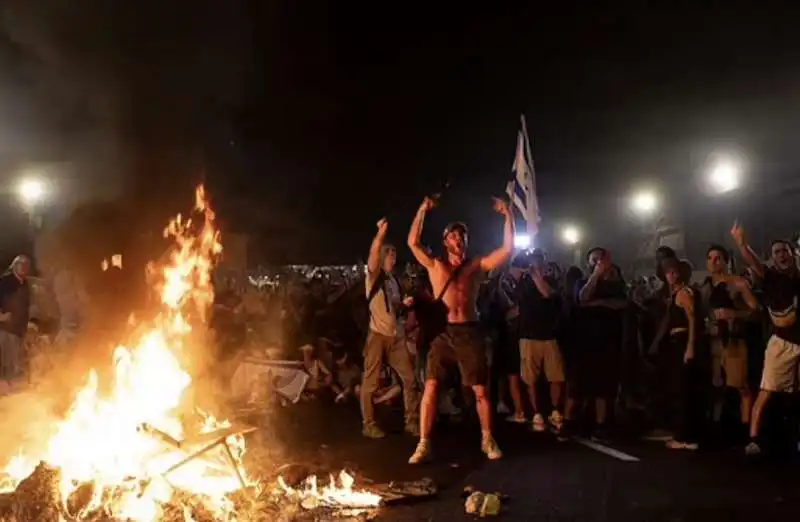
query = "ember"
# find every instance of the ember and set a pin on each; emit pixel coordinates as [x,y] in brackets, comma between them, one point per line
[125,455]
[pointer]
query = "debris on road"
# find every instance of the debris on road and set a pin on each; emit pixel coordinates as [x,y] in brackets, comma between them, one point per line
[483,504]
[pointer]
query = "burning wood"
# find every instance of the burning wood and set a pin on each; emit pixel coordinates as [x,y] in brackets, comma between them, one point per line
[124,455]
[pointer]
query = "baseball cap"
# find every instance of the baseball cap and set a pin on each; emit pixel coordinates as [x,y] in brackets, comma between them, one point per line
[456,225]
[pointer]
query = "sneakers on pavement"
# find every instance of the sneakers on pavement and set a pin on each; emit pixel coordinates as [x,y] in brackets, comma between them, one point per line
[422,453]
[752,449]
[372,431]
[491,449]
[539,425]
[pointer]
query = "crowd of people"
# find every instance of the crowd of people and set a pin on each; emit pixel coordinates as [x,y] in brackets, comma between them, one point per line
[512,336]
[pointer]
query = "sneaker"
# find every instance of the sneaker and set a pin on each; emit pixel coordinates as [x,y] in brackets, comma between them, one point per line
[556,421]
[372,431]
[678,445]
[490,448]
[517,418]
[538,423]
[752,449]
[422,453]
[412,428]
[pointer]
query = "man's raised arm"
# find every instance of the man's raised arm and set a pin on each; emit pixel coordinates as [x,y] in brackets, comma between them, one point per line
[502,254]
[750,257]
[374,259]
[415,234]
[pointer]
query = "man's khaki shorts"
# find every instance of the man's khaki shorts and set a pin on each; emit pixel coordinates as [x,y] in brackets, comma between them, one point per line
[540,356]
[780,366]
[730,360]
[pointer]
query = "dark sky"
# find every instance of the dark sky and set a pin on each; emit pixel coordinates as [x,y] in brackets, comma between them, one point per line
[310,120]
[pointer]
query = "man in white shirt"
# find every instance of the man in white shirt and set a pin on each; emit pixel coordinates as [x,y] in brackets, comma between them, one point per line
[385,338]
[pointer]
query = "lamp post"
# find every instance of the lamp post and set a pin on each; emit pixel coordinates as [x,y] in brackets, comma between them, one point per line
[32,192]
[571,236]
[723,179]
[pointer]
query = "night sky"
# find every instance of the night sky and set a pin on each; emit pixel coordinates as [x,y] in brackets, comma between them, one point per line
[311,120]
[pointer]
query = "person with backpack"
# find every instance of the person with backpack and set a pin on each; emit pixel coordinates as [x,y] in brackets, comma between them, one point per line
[385,338]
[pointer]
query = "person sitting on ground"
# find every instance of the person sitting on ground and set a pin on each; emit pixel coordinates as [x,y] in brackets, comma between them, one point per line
[318,370]
[347,377]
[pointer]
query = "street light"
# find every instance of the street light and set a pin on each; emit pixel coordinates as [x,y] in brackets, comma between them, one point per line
[644,203]
[571,235]
[725,177]
[31,191]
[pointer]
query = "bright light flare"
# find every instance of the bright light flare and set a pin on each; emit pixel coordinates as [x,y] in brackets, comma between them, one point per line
[571,235]
[31,191]
[522,241]
[644,203]
[725,177]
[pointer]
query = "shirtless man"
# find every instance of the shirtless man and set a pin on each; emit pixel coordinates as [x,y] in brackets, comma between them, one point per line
[460,341]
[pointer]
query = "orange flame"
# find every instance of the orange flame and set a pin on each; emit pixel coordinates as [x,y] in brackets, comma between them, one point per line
[121,442]
[101,441]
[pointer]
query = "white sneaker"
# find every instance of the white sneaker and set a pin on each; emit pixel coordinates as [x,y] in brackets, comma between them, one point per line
[490,448]
[422,453]
[752,449]
[538,423]
[556,421]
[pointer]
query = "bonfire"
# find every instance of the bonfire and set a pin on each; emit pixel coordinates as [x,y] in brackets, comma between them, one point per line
[128,454]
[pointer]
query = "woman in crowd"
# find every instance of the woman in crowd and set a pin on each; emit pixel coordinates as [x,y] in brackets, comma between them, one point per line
[684,356]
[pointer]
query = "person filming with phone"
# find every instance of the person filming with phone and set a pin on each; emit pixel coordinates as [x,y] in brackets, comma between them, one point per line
[603,298]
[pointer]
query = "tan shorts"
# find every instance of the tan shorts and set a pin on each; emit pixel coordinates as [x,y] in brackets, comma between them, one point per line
[781,369]
[540,356]
[730,360]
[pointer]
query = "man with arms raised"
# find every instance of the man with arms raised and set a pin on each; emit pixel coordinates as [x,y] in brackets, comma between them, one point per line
[781,290]
[455,280]
[385,339]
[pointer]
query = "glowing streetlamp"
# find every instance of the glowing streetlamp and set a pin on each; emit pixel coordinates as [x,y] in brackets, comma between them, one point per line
[724,177]
[644,203]
[31,191]
[571,235]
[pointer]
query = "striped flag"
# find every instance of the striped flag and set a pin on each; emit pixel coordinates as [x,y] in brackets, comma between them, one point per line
[522,189]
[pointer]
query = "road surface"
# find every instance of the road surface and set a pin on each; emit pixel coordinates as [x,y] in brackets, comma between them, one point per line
[631,480]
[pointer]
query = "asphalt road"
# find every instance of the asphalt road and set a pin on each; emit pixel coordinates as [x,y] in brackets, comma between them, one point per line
[623,480]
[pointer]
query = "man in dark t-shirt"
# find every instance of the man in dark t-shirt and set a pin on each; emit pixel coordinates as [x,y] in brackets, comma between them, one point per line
[603,300]
[780,291]
[539,350]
